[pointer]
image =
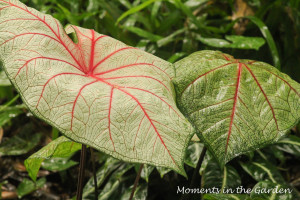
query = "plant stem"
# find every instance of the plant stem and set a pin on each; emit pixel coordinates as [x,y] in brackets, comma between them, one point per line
[94,173]
[196,174]
[136,181]
[81,173]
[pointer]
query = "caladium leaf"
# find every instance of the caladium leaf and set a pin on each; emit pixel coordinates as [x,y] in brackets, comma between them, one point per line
[96,90]
[236,105]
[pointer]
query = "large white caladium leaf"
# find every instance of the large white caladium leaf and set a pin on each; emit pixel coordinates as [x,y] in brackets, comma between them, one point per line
[97,90]
[236,105]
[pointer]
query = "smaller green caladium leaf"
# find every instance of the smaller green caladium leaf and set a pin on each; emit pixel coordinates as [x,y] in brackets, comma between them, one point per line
[62,147]
[236,105]
[94,89]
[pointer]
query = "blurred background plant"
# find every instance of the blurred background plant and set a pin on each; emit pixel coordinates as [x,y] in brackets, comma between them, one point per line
[265,30]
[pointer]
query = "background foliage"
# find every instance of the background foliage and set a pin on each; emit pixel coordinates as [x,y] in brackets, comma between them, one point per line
[170,29]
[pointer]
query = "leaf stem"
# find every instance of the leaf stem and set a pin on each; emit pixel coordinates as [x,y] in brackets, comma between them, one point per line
[94,173]
[196,174]
[81,172]
[136,181]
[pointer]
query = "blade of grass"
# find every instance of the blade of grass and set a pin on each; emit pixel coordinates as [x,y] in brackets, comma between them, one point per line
[266,33]
[135,9]
[145,34]
[10,102]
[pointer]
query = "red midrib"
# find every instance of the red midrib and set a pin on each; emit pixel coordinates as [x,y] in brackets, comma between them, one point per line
[92,51]
[239,74]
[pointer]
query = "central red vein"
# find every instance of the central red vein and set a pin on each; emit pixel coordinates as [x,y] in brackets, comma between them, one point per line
[92,51]
[234,103]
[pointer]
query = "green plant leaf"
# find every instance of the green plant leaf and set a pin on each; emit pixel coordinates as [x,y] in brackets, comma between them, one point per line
[102,174]
[114,183]
[20,143]
[290,145]
[62,147]
[269,191]
[9,112]
[140,193]
[146,171]
[266,33]
[226,197]
[214,176]
[162,171]
[236,105]
[145,34]
[27,186]
[193,153]
[262,170]
[97,91]
[234,41]
[136,9]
